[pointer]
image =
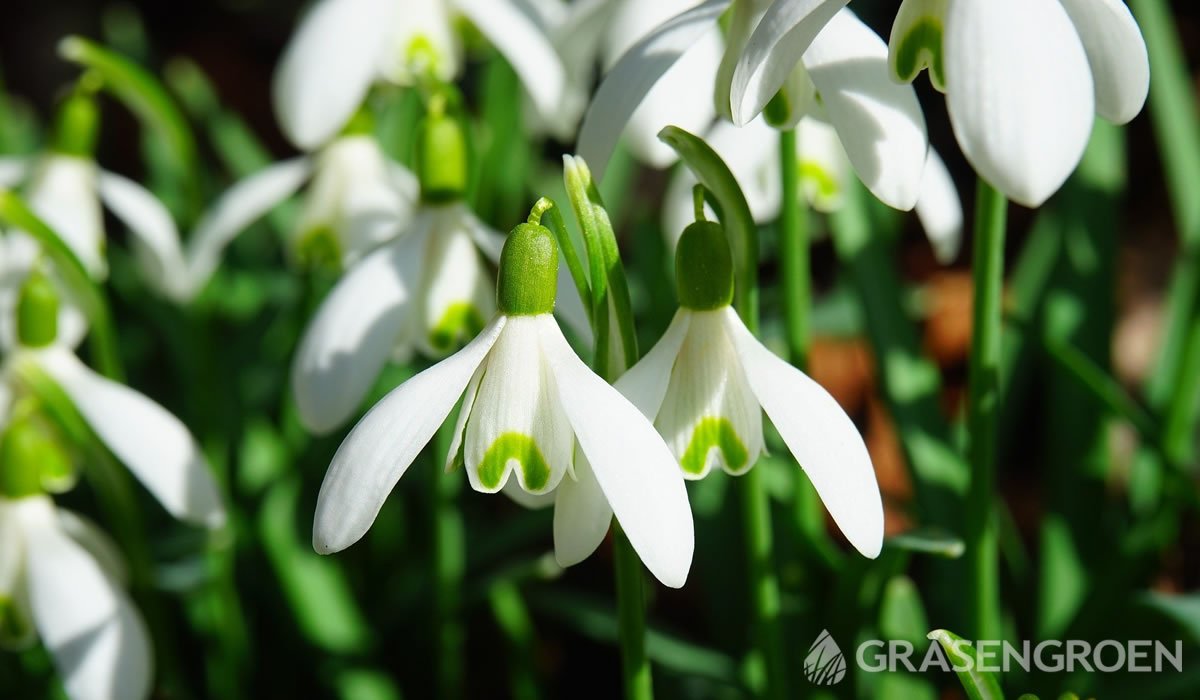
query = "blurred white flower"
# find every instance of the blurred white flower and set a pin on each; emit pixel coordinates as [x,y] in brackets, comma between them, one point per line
[343,46]
[827,62]
[528,402]
[61,581]
[66,191]
[1023,80]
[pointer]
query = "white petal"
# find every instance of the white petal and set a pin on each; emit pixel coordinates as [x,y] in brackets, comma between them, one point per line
[460,424]
[151,442]
[709,416]
[13,170]
[645,384]
[625,86]
[581,515]
[234,211]
[424,42]
[527,48]
[636,471]
[820,436]
[918,37]
[328,67]
[940,210]
[1117,54]
[97,640]
[575,31]
[742,20]
[348,340]
[156,239]
[1019,92]
[62,192]
[824,166]
[97,543]
[517,425]
[532,501]
[880,122]
[457,294]
[780,39]
[683,97]
[381,447]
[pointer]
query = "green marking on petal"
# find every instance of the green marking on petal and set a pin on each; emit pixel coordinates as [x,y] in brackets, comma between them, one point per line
[519,447]
[921,48]
[421,57]
[821,180]
[460,322]
[713,433]
[16,629]
[319,248]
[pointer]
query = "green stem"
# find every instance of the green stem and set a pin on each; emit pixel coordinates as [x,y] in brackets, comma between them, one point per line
[794,262]
[631,612]
[983,588]
[449,555]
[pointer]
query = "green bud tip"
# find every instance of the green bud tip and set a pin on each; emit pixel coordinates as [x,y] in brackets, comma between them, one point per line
[703,267]
[22,448]
[441,158]
[528,275]
[37,311]
[76,125]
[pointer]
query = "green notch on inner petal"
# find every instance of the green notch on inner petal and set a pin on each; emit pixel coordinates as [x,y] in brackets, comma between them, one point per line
[827,185]
[319,248]
[461,321]
[525,451]
[920,48]
[709,433]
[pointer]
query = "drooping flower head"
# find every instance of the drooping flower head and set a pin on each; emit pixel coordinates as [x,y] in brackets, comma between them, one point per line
[708,380]
[532,415]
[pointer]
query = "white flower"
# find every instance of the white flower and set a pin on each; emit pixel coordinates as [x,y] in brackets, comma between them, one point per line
[829,63]
[343,46]
[66,192]
[708,380]
[752,154]
[528,404]
[357,199]
[61,578]
[1023,79]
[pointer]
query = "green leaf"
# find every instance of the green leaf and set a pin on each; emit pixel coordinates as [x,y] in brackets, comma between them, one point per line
[980,685]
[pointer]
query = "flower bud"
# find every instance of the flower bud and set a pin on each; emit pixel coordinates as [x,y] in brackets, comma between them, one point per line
[37,311]
[441,158]
[76,126]
[703,267]
[528,275]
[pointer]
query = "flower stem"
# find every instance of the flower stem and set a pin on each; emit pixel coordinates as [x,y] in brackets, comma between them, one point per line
[449,555]
[794,263]
[983,398]
[631,614]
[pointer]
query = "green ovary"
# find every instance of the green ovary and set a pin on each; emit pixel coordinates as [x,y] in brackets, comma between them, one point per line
[714,433]
[461,320]
[519,447]
[911,57]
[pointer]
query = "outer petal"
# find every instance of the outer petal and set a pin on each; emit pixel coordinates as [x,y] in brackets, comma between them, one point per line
[98,642]
[156,238]
[634,468]
[940,210]
[1117,54]
[13,170]
[97,543]
[151,442]
[1019,92]
[532,501]
[381,447]
[821,437]
[240,206]
[627,84]
[780,39]
[581,515]
[457,293]
[348,340]
[880,122]
[329,66]
[524,45]
[62,191]
[645,384]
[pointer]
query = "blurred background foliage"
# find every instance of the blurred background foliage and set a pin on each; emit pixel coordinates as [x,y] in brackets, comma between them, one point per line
[1100,527]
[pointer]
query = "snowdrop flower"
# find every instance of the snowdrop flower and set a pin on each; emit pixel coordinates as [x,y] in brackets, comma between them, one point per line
[65,188]
[343,46]
[826,61]
[61,582]
[528,404]
[427,288]
[357,199]
[752,154]
[706,383]
[1023,79]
